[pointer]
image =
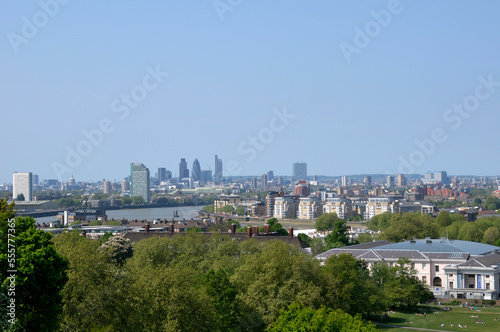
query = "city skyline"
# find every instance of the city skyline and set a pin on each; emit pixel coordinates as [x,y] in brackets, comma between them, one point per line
[261,85]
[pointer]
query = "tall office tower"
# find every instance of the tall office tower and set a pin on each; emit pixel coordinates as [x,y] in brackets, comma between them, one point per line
[162,174]
[106,187]
[263,181]
[368,181]
[344,181]
[436,177]
[139,181]
[390,181]
[168,175]
[401,180]
[22,184]
[196,172]
[300,171]
[206,175]
[36,180]
[270,176]
[125,185]
[183,169]
[253,182]
[218,170]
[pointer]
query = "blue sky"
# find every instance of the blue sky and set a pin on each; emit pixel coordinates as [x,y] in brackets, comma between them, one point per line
[231,72]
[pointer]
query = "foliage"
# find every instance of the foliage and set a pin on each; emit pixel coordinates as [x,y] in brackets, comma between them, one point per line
[410,225]
[41,271]
[399,284]
[20,197]
[379,222]
[208,208]
[117,249]
[348,285]
[365,237]
[227,209]
[339,235]
[326,222]
[470,232]
[138,200]
[304,238]
[300,318]
[276,227]
[240,210]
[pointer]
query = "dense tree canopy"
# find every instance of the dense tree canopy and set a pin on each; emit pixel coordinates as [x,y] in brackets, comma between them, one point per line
[40,270]
[326,222]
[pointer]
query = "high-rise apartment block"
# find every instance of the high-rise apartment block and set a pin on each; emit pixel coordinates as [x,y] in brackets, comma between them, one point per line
[401,180]
[139,181]
[390,181]
[436,177]
[368,181]
[218,170]
[23,184]
[300,171]
[341,206]
[106,187]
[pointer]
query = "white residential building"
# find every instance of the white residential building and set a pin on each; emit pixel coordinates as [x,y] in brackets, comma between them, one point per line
[22,184]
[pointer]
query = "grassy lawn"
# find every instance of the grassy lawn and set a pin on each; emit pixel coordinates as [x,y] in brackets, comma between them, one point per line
[437,316]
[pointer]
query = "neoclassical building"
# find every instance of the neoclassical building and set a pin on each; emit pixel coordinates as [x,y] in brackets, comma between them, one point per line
[451,268]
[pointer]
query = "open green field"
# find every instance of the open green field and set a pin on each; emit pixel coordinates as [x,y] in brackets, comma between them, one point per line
[437,316]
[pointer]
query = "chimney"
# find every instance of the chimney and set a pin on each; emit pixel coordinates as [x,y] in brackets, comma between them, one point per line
[249,232]
[233,228]
[171,228]
[290,232]
[266,229]
[255,230]
[146,228]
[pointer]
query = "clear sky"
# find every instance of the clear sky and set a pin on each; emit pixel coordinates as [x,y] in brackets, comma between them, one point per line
[350,87]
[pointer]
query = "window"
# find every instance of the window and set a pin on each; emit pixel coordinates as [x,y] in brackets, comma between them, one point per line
[451,285]
[424,279]
[450,275]
[487,276]
[437,268]
[423,266]
[487,285]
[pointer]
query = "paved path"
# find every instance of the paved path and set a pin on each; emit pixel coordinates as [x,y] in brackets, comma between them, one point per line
[408,327]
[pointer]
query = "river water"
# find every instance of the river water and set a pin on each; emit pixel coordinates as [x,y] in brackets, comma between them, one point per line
[150,214]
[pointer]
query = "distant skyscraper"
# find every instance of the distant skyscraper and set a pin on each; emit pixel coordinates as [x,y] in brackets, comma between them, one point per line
[23,184]
[162,174]
[368,181]
[401,180]
[344,181]
[263,181]
[270,176]
[300,171]
[36,180]
[125,185]
[183,170]
[206,175]
[196,172]
[106,187]
[168,175]
[436,177]
[390,181]
[139,181]
[218,170]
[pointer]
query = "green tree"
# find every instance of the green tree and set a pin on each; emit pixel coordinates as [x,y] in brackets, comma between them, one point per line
[410,225]
[443,219]
[41,271]
[470,232]
[301,318]
[276,227]
[117,249]
[379,222]
[399,284]
[304,238]
[20,197]
[477,201]
[240,211]
[348,285]
[209,208]
[491,235]
[365,237]
[227,209]
[138,200]
[326,222]
[339,235]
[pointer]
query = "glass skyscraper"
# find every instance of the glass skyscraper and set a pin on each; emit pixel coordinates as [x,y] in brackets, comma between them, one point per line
[139,181]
